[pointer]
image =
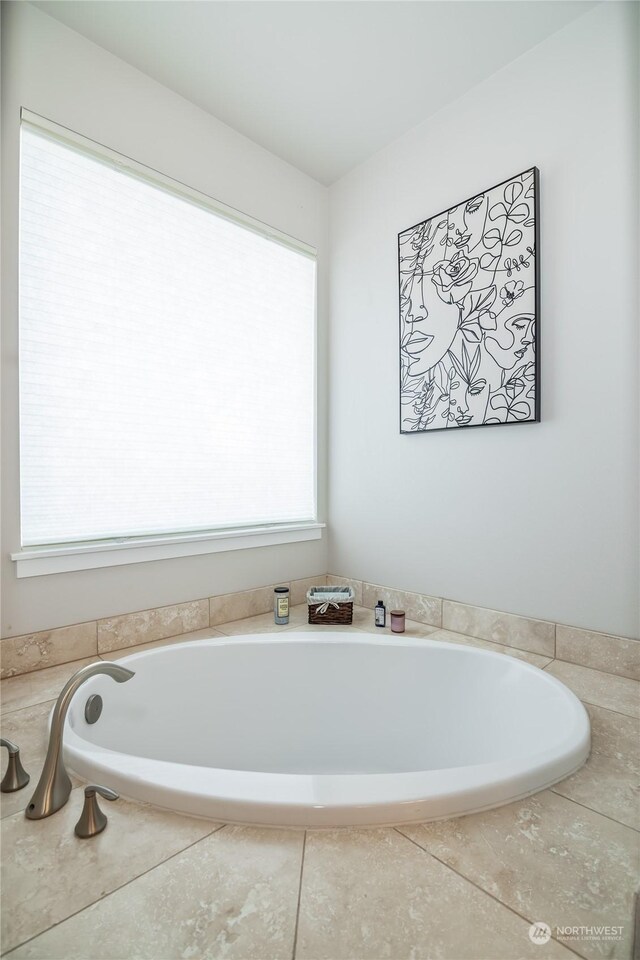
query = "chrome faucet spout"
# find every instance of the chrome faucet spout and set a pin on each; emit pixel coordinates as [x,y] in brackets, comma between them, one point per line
[54,785]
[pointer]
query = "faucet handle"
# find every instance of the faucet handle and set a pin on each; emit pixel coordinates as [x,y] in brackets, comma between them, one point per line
[16,777]
[92,820]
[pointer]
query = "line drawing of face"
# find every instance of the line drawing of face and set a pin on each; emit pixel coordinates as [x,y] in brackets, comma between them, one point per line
[512,339]
[468,405]
[460,404]
[433,336]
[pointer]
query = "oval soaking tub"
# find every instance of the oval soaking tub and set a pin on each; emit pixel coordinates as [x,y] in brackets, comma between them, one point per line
[312,729]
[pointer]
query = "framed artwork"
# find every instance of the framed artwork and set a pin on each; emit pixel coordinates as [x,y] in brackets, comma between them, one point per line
[469,312]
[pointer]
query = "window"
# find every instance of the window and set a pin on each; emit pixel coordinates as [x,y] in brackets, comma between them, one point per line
[167,355]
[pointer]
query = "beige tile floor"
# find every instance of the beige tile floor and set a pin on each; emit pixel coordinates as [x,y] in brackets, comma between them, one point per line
[159,885]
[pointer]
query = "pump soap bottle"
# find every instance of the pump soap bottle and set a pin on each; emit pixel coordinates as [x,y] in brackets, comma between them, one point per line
[380,614]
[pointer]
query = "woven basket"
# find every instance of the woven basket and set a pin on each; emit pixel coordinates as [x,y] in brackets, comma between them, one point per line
[330,604]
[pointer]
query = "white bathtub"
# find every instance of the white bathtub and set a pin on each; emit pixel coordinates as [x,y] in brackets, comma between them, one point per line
[313,729]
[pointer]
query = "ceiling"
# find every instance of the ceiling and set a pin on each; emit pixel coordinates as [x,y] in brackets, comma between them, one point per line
[321,83]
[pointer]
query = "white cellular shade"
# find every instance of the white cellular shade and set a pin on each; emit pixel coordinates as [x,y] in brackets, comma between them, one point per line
[167,359]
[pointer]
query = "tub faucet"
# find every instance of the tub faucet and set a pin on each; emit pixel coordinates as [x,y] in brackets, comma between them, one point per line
[16,776]
[54,785]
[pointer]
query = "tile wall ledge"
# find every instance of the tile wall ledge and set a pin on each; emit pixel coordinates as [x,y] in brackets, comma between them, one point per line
[608,653]
[47,648]
[619,656]
[525,633]
[600,651]
[132,629]
[40,649]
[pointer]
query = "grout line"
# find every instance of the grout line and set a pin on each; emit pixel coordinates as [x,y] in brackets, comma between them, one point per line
[618,713]
[593,809]
[115,890]
[481,889]
[590,703]
[295,932]
[51,666]
[607,673]
[27,706]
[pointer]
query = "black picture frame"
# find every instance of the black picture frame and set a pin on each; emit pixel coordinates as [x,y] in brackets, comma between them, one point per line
[469,311]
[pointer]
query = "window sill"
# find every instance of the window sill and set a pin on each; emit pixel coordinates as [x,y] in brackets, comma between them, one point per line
[39,561]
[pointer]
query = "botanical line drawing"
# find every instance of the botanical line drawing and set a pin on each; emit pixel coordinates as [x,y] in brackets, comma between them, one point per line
[469,312]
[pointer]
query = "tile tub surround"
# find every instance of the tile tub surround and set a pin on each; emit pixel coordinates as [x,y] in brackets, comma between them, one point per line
[239,606]
[450,637]
[457,889]
[538,638]
[205,634]
[599,650]
[47,648]
[605,652]
[417,606]
[128,630]
[610,782]
[28,689]
[249,603]
[600,689]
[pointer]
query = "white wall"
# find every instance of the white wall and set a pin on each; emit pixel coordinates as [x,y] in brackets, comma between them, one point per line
[55,72]
[540,519]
